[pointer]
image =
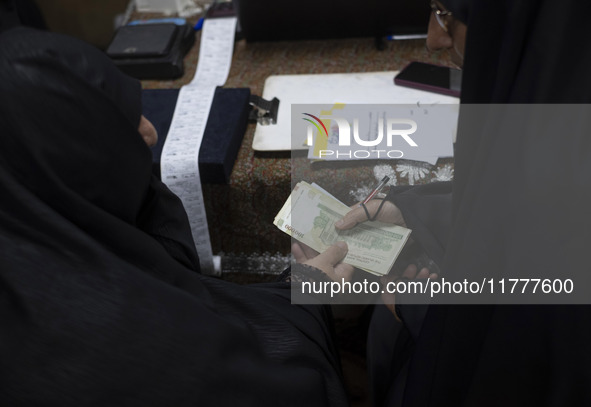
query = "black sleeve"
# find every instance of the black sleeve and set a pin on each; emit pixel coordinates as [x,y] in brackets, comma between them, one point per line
[163,217]
[427,211]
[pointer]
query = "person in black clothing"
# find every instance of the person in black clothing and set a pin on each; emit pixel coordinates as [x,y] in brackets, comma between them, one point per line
[14,13]
[519,206]
[101,299]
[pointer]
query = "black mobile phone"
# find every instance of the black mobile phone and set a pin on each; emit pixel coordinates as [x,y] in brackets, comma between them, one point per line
[143,41]
[432,78]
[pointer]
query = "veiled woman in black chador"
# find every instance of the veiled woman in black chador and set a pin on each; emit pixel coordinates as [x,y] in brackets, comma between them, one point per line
[101,300]
[519,207]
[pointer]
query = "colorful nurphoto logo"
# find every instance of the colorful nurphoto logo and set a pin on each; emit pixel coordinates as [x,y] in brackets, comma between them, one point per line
[315,123]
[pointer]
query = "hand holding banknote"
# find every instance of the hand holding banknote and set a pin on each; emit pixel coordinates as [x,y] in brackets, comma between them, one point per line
[388,213]
[309,216]
[329,261]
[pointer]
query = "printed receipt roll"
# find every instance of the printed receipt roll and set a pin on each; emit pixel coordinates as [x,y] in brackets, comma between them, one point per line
[179,162]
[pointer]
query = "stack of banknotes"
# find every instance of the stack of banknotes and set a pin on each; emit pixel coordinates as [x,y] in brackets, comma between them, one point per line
[309,215]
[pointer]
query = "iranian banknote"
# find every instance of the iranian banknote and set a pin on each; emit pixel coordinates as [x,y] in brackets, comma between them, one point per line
[309,215]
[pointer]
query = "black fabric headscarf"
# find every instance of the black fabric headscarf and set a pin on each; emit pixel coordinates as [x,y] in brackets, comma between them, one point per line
[505,190]
[460,9]
[14,13]
[101,302]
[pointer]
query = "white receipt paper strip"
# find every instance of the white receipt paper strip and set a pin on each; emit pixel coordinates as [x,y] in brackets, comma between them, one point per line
[180,155]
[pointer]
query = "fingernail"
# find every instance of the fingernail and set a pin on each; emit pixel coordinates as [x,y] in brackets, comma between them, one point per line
[340,223]
[342,245]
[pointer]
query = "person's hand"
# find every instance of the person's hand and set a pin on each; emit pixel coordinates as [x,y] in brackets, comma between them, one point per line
[148,131]
[389,214]
[410,273]
[329,261]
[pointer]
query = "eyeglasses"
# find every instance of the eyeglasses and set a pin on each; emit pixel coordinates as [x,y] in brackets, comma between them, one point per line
[441,15]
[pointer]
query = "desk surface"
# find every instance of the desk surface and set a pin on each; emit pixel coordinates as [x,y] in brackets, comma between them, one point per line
[241,214]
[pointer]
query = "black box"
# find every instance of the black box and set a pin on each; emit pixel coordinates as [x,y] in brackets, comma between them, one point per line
[223,134]
[272,20]
[151,51]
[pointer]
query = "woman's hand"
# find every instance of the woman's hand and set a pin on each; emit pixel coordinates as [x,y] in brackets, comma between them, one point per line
[148,131]
[411,272]
[329,261]
[388,214]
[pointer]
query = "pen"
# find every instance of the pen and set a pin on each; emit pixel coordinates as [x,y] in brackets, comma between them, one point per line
[377,189]
[199,24]
[406,37]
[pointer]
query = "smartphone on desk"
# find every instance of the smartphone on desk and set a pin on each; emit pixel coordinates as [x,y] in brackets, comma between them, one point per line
[431,78]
